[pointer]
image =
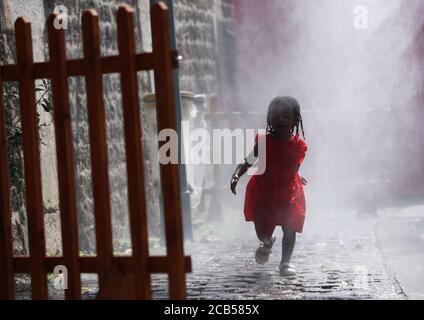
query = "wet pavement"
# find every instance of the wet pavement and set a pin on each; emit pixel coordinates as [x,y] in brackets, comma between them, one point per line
[338,256]
[401,239]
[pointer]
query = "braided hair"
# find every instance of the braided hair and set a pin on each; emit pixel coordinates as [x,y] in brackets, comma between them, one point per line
[276,106]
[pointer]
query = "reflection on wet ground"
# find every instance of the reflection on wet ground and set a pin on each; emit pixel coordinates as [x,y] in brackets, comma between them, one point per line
[336,257]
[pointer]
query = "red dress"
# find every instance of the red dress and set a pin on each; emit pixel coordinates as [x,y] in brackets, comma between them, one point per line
[276,197]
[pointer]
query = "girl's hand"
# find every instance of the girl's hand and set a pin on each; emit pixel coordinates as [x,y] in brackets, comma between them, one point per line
[233,183]
[304,181]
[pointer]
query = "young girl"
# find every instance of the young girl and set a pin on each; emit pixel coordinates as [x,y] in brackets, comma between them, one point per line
[276,197]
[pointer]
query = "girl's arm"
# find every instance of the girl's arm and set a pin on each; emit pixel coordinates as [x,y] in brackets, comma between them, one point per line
[243,167]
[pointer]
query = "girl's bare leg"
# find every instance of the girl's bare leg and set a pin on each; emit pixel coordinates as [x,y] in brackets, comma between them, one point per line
[264,250]
[263,238]
[289,240]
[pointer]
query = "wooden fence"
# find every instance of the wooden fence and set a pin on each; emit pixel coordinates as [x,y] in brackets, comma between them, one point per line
[119,277]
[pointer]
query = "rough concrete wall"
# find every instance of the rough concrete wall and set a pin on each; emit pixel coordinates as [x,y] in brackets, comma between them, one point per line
[12,9]
[7,48]
[195,33]
[225,44]
[201,26]
[114,117]
[37,11]
[205,38]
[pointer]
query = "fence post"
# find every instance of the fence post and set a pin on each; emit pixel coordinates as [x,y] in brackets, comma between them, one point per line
[7,283]
[31,149]
[134,153]
[98,146]
[64,153]
[185,193]
[170,172]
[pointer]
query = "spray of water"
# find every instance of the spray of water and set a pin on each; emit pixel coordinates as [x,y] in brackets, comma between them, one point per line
[359,89]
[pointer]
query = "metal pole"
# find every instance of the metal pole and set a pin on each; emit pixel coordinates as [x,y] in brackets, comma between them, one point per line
[185,194]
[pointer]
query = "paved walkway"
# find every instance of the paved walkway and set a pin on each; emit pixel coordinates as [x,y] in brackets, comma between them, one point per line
[338,256]
[401,239]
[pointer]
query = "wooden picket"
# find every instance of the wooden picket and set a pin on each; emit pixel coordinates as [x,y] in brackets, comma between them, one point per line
[65,163]
[135,172]
[167,119]
[119,277]
[31,151]
[7,287]
[98,143]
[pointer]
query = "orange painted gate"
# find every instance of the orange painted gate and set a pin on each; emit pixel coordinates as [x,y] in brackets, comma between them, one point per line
[119,277]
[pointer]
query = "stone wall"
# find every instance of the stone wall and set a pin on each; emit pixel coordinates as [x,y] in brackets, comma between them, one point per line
[10,11]
[114,117]
[204,39]
[226,58]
